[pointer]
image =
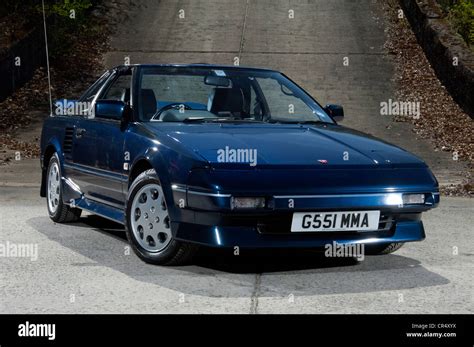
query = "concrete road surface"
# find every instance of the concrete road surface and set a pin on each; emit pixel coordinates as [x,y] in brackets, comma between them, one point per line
[88,267]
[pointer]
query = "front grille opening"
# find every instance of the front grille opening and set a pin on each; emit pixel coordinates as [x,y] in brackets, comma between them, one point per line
[385,222]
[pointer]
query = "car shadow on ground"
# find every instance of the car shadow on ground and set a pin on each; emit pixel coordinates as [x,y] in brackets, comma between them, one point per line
[303,272]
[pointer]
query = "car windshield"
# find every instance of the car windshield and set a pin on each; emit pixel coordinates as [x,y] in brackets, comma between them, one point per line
[207,94]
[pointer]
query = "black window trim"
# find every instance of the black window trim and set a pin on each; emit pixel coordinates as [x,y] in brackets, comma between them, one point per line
[106,76]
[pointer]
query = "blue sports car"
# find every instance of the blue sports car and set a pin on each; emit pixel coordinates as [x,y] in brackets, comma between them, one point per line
[225,156]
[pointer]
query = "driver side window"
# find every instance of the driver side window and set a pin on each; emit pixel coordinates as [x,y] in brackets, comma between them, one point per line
[119,89]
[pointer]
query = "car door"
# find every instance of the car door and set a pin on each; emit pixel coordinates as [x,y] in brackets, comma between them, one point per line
[81,149]
[99,142]
[111,157]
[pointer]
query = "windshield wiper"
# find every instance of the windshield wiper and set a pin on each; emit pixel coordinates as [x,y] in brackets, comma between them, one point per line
[219,120]
[297,122]
[198,119]
[237,120]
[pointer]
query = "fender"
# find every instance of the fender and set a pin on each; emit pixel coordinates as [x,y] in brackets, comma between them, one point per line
[71,192]
[155,159]
[166,173]
[53,145]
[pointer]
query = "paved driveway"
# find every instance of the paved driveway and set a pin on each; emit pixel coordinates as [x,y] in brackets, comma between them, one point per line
[88,267]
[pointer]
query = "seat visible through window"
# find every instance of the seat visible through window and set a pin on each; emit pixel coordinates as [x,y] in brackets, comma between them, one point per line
[226,100]
[148,103]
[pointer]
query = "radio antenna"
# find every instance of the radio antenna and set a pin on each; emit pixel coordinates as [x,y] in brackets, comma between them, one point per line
[47,61]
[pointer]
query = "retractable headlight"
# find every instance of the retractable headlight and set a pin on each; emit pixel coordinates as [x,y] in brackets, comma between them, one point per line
[413,199]
[247,202]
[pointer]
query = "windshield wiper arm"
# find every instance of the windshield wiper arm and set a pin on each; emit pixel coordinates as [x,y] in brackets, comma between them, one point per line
[237,120]
[219,120]
[205,119]
[297,122]
[196,119]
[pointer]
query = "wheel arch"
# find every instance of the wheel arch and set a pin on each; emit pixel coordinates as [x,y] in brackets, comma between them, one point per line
[137,168]
[152,159]
[149,159]
[51,148]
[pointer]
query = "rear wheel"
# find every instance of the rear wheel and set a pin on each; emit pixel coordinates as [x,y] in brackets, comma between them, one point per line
[58,211]
[148,224]
[383,249]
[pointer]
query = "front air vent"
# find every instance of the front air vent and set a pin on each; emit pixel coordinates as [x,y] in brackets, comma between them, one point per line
[386,222]
[67,143]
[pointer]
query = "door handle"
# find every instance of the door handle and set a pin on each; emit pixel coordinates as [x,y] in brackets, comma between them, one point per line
[80,132]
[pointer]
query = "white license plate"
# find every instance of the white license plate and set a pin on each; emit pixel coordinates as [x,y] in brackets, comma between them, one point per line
[335,221]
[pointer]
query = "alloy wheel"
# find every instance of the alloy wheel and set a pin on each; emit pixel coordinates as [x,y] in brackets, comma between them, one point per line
[149,218]
[54,181]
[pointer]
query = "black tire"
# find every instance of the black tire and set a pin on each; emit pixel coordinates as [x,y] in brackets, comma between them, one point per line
[63,212]
[176,252]
[383,249]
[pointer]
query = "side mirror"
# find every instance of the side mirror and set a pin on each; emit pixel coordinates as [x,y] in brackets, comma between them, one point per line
[109,109]
[336,112]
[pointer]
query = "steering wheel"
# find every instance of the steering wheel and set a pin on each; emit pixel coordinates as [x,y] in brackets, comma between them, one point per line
[175,105]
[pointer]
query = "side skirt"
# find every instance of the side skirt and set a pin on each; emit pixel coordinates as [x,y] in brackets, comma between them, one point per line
[73,196]
[109,212]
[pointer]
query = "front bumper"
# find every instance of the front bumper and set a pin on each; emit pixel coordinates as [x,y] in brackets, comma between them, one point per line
[184,197]
[250,237]
[207,218]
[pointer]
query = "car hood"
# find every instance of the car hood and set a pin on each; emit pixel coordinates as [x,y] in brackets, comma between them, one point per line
[285,145]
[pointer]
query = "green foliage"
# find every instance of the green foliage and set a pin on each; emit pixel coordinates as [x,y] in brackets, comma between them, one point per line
[66,20]
[67,8]
[461,15]
[53,7]
[446,4]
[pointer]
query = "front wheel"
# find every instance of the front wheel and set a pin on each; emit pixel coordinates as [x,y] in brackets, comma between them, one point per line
[148,224]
